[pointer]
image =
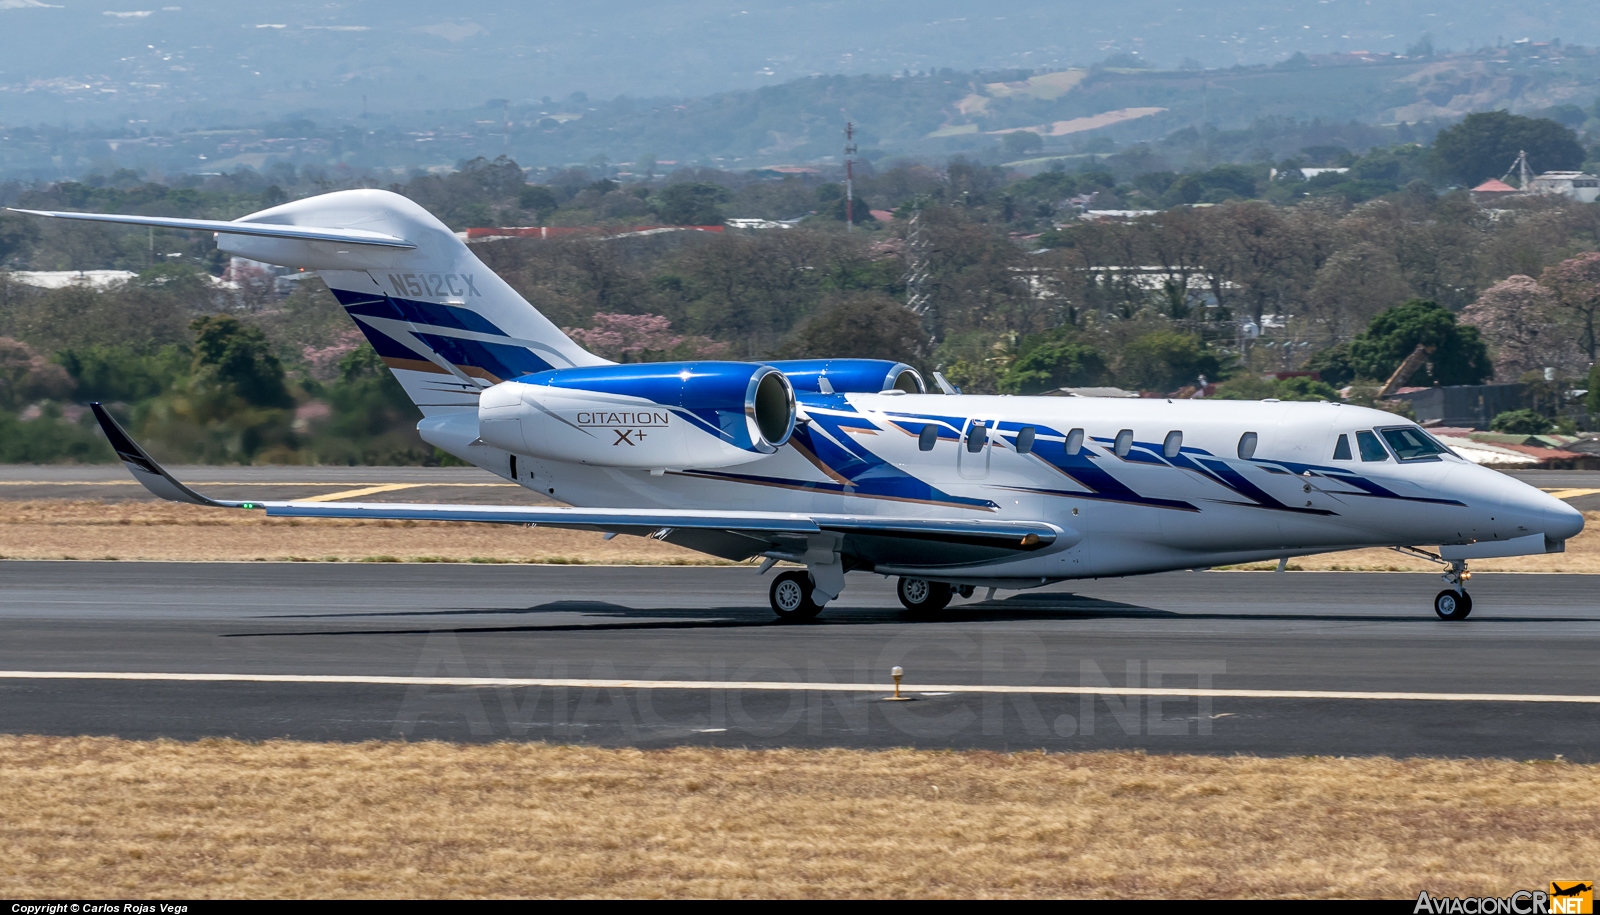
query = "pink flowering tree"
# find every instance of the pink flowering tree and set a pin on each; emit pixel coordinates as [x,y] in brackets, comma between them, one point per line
[642,338]
[26,376]
[1527,328]
[1576,283]
[323,361]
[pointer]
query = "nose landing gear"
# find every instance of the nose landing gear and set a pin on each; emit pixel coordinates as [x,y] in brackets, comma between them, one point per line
[1454,603]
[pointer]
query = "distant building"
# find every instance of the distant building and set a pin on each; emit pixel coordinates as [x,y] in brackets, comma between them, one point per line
[1090,392]
[1115,215]
[1579,186]
[1309,173]
[1470,406]
[1493,189]
[61,279]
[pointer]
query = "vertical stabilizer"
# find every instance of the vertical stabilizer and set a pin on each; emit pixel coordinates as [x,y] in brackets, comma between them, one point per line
[445,323]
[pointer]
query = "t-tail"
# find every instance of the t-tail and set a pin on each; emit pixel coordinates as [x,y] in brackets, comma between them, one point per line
[445,323]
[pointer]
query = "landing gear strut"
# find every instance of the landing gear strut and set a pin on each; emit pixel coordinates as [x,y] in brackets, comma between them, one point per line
[1454,603]
[792,598]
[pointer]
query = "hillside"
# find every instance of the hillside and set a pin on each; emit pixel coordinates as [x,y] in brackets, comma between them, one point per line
[931,114]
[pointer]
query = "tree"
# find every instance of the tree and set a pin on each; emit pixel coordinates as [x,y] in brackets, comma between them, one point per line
[1166,359]
[642,338]
[1525,325]
[1333,364]
[1576,284]
[1054,360]
[1485,144]
[692,204]
[26,376]
[237,358]
[1458,353]
[1521,422]
[1592,399]
[1021,142]
[860,325]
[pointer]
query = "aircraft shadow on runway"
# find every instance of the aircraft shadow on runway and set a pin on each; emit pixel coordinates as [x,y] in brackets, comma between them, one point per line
[1053,607]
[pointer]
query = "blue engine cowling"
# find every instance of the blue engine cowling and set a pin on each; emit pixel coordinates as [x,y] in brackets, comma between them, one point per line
[654,415]
[851,376]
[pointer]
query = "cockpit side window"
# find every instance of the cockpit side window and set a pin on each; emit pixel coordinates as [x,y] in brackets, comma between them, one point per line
[1341,451]
[1371,448]
[1412,444]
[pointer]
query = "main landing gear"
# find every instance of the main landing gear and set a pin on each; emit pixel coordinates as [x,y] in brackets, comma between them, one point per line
[1454,603]
[792,598]
[923,597]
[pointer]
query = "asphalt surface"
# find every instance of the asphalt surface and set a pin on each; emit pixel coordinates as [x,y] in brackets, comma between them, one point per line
[1529,634]
[402,484]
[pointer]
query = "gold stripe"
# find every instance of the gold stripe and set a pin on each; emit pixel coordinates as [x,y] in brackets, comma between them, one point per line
[1571,493]
[352,493]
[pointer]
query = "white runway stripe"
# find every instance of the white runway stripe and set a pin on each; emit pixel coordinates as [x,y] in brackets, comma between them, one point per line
[502,682]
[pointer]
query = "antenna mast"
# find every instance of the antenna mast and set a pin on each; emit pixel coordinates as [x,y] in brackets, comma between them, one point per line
[849,176]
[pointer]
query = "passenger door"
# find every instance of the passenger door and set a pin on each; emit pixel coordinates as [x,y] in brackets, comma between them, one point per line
[974,449]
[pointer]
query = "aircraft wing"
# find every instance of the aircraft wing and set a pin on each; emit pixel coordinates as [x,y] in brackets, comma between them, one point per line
[732,534]
[263,229]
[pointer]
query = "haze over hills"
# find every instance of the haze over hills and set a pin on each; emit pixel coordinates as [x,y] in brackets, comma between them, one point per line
[203,62]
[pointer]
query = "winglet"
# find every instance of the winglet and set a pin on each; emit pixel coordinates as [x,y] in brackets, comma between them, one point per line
[144,468]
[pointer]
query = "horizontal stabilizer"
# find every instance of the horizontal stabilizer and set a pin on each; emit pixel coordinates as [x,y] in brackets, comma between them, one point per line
[261,229]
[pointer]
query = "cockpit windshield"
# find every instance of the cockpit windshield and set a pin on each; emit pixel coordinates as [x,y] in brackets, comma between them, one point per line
[1412,444]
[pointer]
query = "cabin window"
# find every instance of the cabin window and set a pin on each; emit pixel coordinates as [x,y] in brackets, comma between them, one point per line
[1123,444]
[1025,440]
[1074,442]
[1247,446]
[928,437]
[977,437]
[1172,445]
[1341,451]
[1371,448]
[1412,444]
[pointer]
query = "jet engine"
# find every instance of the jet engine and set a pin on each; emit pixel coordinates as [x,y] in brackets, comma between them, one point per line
[657,416]
[851,376]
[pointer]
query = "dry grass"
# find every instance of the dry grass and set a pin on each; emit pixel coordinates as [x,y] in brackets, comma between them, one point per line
[95,817]
[92,529]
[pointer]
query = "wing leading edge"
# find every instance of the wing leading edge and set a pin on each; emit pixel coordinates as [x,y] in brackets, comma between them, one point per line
[870,539]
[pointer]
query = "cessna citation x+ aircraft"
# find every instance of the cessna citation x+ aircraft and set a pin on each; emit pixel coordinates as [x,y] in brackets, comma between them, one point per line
[849,464]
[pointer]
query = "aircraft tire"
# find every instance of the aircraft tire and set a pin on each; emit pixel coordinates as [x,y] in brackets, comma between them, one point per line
[791,597]
[1452,605]
[921,596]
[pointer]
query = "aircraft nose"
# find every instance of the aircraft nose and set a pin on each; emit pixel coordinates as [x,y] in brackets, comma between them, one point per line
[1561,521]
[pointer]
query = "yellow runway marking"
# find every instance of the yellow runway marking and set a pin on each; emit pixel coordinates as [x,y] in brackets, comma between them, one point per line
[1571,493]
[352,493]
[773,685]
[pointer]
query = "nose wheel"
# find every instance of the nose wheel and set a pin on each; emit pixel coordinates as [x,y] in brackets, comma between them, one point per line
[792,599]
[1451,604]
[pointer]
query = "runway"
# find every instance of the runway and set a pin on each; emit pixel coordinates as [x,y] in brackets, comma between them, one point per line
[1207,662]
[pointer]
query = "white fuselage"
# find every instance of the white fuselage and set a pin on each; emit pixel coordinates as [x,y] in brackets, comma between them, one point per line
[858,454]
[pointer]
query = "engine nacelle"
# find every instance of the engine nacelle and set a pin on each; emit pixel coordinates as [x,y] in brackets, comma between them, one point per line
[662,415]
[851,376]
